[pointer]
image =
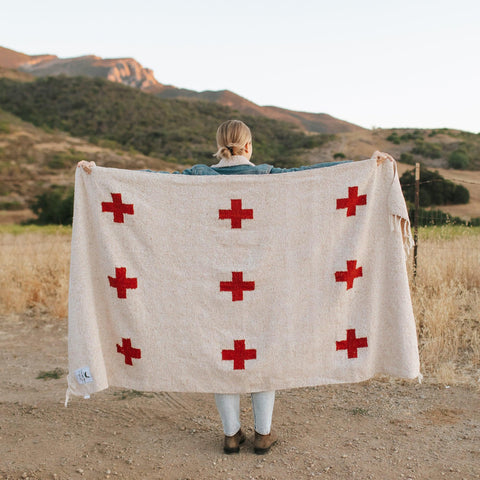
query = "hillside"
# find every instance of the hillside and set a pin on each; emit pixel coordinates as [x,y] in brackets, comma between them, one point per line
[310,122]
[11,59]
[128,71]
[175,130]
[14,74]
[32,159]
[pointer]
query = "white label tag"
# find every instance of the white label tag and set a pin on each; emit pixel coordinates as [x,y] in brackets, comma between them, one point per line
[83,375]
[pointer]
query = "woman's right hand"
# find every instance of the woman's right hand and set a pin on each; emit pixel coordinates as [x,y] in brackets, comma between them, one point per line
[87,166]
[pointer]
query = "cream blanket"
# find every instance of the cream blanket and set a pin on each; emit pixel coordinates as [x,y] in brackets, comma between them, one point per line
[238,283]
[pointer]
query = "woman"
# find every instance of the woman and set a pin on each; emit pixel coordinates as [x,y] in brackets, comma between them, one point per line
[234,151]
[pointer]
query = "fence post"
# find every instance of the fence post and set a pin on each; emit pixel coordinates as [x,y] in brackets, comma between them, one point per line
[415,221]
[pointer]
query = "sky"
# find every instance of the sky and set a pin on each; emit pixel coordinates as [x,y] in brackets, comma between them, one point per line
[378,64]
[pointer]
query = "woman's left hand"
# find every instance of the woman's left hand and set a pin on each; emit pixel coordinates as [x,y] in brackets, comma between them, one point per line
[381,157]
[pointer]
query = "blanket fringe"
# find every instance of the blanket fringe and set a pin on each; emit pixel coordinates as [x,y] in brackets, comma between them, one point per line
[396,225]
[67,396]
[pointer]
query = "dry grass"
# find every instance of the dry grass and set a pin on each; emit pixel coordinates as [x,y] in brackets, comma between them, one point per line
[34,270]
[446,293]
[446,302]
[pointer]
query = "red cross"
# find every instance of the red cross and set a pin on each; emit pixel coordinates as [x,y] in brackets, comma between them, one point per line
[350,275]
[239,354]
[352,201]
[121,282]
[236,214]
[351,343]
[236,286]
[129,352]
[117,207]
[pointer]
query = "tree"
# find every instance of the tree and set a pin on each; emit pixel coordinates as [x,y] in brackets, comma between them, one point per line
[459,160]
[55,206]
[434,189]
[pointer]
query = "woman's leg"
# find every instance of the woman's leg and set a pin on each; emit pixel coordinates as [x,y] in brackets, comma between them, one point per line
[228,406]
[262,403]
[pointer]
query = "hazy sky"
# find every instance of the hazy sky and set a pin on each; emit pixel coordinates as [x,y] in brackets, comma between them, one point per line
[374,63]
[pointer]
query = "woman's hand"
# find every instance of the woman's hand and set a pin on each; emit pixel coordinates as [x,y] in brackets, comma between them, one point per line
[381,157]
[87,166]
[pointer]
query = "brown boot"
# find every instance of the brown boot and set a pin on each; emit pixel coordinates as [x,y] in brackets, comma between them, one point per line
[232,444]
[263,443]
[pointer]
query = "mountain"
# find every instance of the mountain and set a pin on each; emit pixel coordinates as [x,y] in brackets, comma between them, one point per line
[309,122]
[14,74]
[129,72]
[120,70]
[172,129]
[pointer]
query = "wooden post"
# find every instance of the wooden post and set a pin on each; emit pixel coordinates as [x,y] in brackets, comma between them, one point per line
[415,221]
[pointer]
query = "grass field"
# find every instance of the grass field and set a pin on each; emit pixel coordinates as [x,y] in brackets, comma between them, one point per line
[445,293]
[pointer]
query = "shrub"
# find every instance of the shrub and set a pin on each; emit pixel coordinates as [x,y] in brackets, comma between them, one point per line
[459,160]
[64,160]
[415,135]
[55,206]
[394,138]
[460,195]
[4,127]
[11,206]
[434,189]
[426,149]
[407,158]
[405,137]
[339,155]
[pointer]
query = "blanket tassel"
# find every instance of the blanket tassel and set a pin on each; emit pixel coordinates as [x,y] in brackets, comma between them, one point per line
[396,226]
[67,396]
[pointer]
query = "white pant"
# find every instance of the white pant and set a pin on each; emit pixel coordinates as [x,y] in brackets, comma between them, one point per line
[229,408]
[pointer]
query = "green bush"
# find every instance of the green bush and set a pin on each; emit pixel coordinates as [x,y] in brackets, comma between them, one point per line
[55,206]
[459,160]
[339,155]
[434,189]
[63,160]
[415,135]
[407,158]
[426,149]
[11,206]
[394,138]
[4,127]
[460,195]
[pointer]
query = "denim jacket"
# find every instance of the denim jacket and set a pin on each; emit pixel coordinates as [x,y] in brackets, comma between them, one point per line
[249,169]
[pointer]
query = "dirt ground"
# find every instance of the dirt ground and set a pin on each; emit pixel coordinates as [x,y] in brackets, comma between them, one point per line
[381,429]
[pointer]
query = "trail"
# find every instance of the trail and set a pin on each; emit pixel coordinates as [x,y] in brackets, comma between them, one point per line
[381,429]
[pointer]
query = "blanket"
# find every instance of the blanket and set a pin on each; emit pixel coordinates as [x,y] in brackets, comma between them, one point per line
[240,283]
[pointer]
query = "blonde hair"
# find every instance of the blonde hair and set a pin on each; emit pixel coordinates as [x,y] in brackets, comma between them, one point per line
[232,136]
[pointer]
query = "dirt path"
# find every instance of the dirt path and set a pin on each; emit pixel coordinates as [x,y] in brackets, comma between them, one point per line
[382,429]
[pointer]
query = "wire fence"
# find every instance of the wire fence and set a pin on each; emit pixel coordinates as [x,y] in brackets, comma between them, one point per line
[434,216]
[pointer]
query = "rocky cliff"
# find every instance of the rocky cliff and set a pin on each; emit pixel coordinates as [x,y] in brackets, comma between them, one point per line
[121,70]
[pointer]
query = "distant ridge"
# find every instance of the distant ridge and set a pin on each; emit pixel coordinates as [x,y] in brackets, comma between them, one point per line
[129,72]
[310,122]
